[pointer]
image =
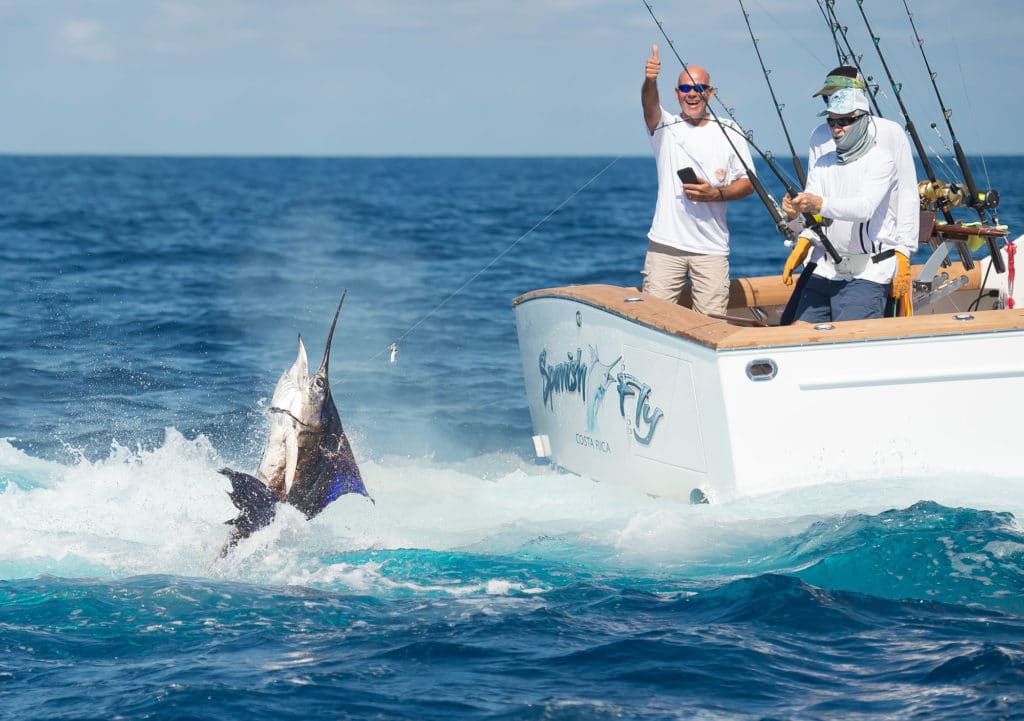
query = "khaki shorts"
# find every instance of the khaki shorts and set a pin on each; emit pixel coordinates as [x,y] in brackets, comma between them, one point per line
[666,269]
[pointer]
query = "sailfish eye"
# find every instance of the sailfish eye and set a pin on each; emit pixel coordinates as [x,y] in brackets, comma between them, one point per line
[319,382]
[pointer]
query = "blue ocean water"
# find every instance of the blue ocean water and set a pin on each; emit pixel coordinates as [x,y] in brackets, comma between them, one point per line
[149,306]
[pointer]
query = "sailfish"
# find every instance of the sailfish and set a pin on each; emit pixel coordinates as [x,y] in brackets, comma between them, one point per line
[308,461]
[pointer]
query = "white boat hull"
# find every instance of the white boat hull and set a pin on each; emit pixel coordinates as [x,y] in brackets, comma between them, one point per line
[618,394]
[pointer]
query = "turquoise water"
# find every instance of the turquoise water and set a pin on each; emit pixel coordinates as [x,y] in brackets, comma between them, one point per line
[150,305]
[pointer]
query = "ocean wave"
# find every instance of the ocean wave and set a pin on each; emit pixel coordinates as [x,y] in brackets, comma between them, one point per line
[490,526]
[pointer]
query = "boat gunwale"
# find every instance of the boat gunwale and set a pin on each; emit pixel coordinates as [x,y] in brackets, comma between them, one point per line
[721,335]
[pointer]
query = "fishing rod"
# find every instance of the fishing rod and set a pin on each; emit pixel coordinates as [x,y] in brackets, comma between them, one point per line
[766,155]
[849,56]
[979,201]
[797,165]
[781,221]
[940,200]
[840,55]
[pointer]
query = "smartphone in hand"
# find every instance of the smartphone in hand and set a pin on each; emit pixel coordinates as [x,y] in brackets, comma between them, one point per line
[687,176]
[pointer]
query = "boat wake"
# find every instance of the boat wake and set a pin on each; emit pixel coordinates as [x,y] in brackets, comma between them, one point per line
[497,525]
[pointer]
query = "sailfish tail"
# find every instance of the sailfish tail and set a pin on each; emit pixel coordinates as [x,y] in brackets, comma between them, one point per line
[256,506]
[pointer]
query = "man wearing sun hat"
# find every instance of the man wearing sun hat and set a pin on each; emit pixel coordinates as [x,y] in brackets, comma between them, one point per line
[891,136]
[855,184]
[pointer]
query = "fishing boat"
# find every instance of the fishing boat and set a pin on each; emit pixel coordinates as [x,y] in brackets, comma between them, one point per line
[627,388]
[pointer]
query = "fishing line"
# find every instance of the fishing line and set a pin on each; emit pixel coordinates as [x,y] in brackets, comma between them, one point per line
[941,201]
[392,348]
[949,172]
[840,55]
[850,56]
[707,106]
[970,105]
[976,201]
[797,165]
[766,155]
[787,29]
[947,152]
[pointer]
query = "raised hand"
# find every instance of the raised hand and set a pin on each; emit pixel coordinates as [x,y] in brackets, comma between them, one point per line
[653,64]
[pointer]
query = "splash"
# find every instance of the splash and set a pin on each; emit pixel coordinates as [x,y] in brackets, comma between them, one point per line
[497,525]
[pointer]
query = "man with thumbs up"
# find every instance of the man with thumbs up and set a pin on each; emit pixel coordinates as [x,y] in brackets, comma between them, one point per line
[689,236]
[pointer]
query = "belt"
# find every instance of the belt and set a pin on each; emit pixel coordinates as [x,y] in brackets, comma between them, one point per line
[855,264]
[884,255]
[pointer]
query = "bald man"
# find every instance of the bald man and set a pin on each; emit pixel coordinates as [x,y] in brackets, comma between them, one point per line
[689,237]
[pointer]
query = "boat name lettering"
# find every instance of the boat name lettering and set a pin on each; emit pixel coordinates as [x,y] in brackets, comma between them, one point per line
[645,416]
[589,442]
[568,376]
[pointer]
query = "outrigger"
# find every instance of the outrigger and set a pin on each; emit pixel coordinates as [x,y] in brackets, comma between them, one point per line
[627,388]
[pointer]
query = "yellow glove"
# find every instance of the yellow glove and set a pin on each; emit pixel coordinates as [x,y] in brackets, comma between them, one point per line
[901,281]
[798,256]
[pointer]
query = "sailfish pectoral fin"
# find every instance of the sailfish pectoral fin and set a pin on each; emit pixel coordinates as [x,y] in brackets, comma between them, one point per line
[345,477]
[346,480]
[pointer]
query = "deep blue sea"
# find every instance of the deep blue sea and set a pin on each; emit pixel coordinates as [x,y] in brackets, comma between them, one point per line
[149,306]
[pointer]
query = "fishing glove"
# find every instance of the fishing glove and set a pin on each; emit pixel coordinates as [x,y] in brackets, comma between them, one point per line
[797,257]
[901,281]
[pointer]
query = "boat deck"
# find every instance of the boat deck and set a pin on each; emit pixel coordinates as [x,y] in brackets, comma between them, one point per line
[948,316]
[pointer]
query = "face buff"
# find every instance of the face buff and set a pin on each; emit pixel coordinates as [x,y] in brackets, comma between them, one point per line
[855,142]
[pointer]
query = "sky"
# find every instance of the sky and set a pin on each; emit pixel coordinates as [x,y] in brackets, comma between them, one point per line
[472,77]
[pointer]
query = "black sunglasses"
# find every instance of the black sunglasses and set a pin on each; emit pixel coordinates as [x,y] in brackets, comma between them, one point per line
[699,87]
[842,122]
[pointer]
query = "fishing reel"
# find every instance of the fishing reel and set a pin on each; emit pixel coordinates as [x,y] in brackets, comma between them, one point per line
[939,194]
[987,200]
[936,193]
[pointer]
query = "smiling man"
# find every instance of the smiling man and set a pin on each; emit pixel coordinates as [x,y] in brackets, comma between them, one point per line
[689,236]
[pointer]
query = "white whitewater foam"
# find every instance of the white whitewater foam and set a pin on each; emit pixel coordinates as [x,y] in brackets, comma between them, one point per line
[162,511]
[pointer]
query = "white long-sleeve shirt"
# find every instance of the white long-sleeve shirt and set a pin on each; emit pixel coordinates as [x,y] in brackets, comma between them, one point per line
[891,136]
[860,199]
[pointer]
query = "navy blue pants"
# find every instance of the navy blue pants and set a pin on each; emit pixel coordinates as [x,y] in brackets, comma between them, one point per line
[826,300]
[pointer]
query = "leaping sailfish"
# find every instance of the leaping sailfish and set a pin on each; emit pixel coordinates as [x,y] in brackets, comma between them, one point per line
[307,462]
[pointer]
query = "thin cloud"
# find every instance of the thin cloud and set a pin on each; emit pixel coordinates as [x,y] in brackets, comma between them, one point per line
[86,39]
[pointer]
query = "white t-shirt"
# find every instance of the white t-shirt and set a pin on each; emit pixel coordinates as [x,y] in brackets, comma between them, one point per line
[685,224]
[859,197]
[907,204]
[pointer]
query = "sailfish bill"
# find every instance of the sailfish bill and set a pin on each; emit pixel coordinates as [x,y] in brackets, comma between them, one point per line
[308,461]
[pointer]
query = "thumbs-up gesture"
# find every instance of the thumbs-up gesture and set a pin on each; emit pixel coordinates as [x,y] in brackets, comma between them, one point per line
[653,64]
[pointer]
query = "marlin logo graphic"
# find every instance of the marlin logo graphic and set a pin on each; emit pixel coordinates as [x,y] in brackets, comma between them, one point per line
[307,462]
